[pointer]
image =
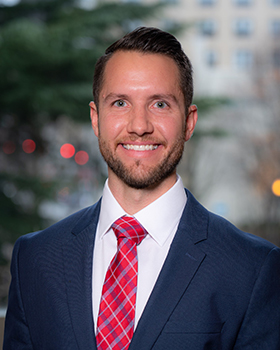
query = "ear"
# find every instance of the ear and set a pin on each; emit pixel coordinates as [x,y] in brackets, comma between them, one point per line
[191,121]
[94,118]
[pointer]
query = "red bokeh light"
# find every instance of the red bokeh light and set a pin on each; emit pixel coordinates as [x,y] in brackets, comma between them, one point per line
[9,147]
[67,150]
[81,157]
[28,146]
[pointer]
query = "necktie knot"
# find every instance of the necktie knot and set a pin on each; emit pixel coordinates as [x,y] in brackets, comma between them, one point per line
[128,227]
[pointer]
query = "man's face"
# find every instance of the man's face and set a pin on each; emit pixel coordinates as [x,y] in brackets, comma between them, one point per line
[141,122]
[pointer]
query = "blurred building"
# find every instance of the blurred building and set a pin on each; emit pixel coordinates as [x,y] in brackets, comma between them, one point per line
[228,40]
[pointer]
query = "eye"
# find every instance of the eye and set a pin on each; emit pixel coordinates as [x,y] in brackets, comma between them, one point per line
[120,103]
[160,104]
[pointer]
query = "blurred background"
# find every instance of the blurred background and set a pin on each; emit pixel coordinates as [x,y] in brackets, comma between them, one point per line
[49,159]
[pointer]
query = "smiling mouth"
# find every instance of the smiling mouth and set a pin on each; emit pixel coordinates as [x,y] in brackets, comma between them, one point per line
[140,147]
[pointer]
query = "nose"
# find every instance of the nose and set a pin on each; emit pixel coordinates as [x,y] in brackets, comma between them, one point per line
[140,122]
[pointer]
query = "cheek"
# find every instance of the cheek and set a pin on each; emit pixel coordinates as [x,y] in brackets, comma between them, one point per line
[110,128]
[173,130]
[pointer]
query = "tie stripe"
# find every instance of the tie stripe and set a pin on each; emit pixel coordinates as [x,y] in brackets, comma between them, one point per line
[115,322]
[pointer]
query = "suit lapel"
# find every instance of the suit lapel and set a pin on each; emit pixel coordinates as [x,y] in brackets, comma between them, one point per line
[78,254]
[182,263]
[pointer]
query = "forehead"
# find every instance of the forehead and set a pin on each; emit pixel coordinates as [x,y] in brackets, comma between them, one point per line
[134,66]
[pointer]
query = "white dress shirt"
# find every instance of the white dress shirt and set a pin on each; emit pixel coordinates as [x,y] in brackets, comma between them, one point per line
[160,219]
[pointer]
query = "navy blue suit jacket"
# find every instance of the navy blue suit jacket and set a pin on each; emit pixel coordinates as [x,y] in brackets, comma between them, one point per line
[219,288]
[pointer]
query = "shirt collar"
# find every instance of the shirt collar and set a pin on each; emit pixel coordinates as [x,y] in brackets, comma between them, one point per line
[160,218]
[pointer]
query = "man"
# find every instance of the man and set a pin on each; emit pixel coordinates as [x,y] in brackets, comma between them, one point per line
[198,281]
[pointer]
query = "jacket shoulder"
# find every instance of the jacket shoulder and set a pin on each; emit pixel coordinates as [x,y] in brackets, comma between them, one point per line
[60,231]
[222,235]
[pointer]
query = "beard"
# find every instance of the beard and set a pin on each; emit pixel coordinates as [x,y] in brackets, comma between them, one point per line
[139,176]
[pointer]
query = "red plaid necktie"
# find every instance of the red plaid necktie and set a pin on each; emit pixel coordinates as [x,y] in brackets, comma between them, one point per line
[115,322]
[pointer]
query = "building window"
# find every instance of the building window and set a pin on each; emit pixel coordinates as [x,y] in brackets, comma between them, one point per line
[275,2]
[211,58]
[242,2]
[132,1]
[208,27]
[275,27]
[276,58]
[207,2]
[170,2]
[243,59]
[243,27]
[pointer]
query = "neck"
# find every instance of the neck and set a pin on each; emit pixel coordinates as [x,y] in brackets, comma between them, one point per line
[133,200]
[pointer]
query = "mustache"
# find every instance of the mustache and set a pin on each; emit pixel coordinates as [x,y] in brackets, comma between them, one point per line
[141,139]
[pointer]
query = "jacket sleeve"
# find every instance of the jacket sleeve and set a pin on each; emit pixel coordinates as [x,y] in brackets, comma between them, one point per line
[260,329]
[16,334]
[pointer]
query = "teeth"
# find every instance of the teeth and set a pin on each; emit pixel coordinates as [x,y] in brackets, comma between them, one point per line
[140,147]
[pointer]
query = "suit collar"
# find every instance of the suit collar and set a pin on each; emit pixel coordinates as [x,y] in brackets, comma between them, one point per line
[89,216]
[194,220]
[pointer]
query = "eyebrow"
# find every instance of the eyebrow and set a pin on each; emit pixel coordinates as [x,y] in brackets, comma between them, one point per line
[113,96]
[164,97]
